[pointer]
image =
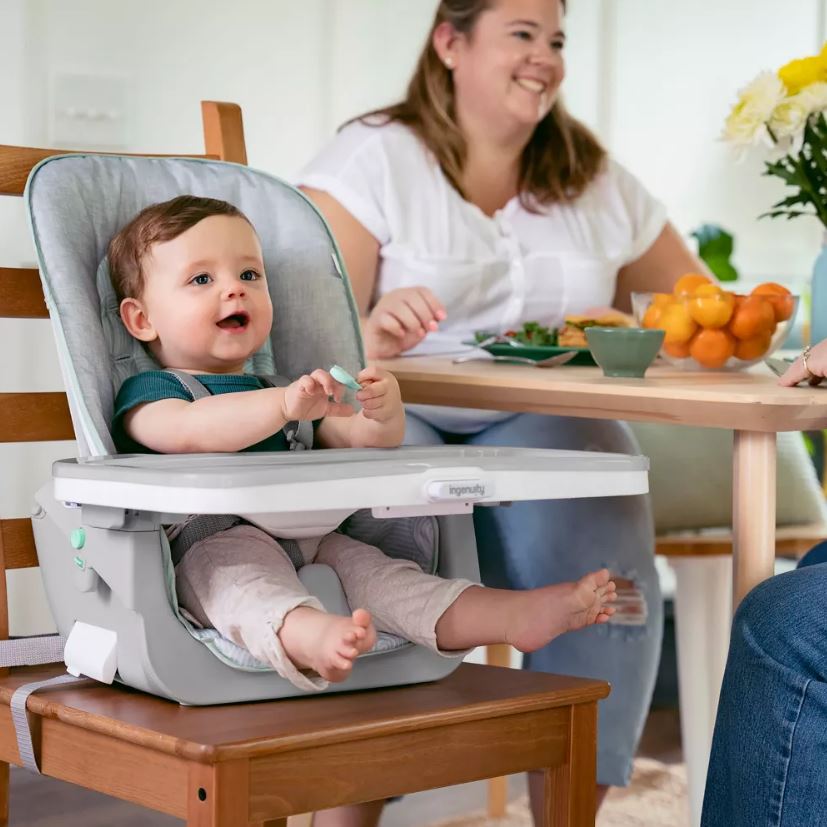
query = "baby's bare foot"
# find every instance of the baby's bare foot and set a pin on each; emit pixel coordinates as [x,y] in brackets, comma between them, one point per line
[540,615]
[328,644]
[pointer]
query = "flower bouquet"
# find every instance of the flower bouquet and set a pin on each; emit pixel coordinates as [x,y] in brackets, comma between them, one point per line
[786,110]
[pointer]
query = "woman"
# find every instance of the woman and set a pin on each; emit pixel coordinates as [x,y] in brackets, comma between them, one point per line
[769,751]
[479,203]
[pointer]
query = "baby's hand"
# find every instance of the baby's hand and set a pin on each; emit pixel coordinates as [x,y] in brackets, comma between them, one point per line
[380,397]
[314,396]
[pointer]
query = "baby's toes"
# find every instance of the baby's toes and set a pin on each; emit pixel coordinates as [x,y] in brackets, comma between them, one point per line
[361,617]
[342,663]
[600,578]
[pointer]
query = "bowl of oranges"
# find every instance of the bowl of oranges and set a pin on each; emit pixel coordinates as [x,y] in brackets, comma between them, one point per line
[709,328]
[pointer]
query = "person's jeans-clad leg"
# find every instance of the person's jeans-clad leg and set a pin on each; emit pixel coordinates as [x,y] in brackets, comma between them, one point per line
[531,544]
[768,766]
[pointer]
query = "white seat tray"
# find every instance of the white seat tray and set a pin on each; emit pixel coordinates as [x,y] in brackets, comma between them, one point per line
[425,480]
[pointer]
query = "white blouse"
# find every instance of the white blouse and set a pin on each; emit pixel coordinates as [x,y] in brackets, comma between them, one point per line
[490,273]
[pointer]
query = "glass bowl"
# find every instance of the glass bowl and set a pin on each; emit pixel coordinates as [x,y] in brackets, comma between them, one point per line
[716,329]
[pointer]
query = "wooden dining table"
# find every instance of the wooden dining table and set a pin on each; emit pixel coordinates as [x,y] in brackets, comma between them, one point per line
[749,403]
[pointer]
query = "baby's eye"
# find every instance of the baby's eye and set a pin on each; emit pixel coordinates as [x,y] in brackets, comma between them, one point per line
[201,278]
[250,275]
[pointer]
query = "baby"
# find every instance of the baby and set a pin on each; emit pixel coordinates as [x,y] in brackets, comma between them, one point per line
[190,280]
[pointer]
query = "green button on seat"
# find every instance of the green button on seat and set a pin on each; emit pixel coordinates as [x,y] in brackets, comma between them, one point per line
[78,538]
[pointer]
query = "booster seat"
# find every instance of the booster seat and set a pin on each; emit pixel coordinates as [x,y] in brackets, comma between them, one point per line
[104,556]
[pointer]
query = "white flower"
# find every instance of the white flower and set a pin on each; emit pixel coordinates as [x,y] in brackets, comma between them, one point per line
[814,97]
[747,123]
[790,116]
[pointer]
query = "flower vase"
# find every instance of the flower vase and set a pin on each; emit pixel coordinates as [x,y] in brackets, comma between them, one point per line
[818,300]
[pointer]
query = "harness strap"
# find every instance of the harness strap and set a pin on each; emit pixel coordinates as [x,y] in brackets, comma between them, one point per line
[20,718]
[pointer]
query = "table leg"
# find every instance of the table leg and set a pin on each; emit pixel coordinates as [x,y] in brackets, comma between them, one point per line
[703,590]
[753,510]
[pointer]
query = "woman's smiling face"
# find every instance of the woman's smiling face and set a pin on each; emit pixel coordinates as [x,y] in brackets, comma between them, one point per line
[508,69]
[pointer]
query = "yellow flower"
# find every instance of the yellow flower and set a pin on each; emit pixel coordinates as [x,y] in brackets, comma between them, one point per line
[802,72]
[746,123]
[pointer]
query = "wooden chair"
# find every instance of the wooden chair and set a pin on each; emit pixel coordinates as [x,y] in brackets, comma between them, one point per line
[256,764]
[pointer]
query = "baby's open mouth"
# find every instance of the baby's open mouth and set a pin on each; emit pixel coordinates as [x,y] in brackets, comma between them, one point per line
[235,321]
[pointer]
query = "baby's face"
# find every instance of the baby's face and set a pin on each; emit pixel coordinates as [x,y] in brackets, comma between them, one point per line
[205,297]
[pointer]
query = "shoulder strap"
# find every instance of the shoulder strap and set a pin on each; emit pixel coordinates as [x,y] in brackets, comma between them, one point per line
[191,385]
[299,435]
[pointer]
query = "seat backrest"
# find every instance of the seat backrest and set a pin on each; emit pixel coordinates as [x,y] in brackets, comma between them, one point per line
[41,417]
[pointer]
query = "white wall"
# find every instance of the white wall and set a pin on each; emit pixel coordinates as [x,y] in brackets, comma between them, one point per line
[655,80]
[677,68]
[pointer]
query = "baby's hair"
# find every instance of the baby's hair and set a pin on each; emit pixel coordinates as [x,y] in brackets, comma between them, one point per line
[153,225]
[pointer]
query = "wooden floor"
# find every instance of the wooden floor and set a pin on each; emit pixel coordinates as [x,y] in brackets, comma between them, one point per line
[43,802]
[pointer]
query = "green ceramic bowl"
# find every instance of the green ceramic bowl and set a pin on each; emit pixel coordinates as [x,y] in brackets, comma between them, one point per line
[624,351]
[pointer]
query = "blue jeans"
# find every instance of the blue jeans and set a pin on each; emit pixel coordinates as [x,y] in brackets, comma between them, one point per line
[531,544]
[769,751]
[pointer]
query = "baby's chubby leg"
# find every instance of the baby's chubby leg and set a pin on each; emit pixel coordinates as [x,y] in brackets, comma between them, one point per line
[454,615]
[242,583]
[529,619]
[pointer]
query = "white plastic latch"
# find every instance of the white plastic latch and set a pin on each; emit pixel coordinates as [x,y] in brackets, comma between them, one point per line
[469,490]
[91,651]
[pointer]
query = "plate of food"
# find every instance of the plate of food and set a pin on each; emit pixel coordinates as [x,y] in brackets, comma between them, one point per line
[536,341]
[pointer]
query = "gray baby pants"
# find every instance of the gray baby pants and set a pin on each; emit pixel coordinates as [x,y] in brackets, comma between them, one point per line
[242,583]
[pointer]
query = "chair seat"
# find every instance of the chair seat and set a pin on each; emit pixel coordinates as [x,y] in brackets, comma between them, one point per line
[211,734]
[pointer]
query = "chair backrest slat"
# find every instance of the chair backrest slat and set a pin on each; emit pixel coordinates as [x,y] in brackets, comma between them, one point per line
[21,294]
[17,541]
[16,162]
[35,417]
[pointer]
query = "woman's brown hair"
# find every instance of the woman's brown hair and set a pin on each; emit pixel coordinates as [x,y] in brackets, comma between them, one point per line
[560,160]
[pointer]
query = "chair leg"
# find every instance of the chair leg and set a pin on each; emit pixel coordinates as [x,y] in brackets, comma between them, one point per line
[703,600]
[570,790]
[497,654]
[4,794]
[217,796]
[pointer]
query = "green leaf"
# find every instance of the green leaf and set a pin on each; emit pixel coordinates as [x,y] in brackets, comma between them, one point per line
[715,246]
[722,268]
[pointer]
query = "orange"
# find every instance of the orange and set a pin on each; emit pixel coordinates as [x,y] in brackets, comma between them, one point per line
[677,323]
[710,306]
[662,299]
[753,315]
[749,349]
[651,316]
[779,297]
[712,348]
[688,283]
[677,351]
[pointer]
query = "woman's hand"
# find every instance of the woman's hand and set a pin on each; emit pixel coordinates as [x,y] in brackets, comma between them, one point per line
[314,396]
[400,320]
[815,370]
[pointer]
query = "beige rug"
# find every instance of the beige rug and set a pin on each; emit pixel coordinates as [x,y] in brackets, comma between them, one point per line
[655,798]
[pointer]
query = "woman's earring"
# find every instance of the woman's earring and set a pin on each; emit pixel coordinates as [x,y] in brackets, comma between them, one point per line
[449,63]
